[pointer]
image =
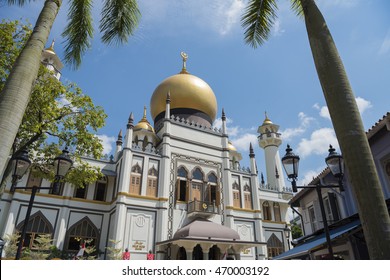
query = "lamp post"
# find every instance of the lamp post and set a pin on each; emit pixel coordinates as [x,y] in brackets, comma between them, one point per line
[335,164]
[62,164]
[287,231]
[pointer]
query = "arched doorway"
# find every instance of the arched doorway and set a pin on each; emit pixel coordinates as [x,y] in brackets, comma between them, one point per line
[197,254]
[181,254]
[215,253]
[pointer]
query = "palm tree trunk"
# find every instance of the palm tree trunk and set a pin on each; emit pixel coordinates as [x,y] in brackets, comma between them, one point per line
[16,92]
[350,133]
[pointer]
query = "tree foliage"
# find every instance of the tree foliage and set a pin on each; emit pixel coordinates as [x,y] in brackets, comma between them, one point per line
[296,231]
[113,252]
[57,115]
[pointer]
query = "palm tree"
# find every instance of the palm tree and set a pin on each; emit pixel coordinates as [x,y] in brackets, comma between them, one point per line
[119,19]
[257,21]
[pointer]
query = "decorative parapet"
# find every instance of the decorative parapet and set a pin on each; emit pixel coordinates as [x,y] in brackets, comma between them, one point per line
[269,134]
[192,124]
[241,169]
[149,149]
[268,187]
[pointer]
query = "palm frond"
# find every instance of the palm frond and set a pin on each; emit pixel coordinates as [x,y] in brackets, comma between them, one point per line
[119,20]
[18,2]
[79,31]
[257,21]
[296,6]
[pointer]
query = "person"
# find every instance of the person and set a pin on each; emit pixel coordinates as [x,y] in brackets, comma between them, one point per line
[126,255]
[150,256]
[80,253]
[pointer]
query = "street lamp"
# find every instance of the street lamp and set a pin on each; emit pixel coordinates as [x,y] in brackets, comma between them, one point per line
[62,164]
[335,164]
[21,164]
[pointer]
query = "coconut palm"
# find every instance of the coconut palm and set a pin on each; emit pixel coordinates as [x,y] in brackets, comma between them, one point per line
[257,21]
[119,19]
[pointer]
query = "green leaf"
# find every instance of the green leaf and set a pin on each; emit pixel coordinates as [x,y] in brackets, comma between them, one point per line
[257,21]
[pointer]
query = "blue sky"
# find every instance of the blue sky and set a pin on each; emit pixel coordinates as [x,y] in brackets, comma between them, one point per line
[278,77]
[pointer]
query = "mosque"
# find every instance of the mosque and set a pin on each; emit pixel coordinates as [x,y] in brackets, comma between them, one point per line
[174,187]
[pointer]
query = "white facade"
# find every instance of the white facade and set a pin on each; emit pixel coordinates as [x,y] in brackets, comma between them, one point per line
[175,188]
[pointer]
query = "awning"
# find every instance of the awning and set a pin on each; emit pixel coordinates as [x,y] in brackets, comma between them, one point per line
[307,247]
[108,172]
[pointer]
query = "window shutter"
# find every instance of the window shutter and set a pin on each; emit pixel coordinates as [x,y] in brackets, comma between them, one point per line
[333,206]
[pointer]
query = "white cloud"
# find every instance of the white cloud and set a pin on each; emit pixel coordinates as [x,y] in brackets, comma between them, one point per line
[242,143]
[308,176]
[107,142]
[318,143]
[277,29]
[385,46]
[305,122]
[230,15]
[324,112]
[63,102]
[220,16]
[231,130]
[363,105]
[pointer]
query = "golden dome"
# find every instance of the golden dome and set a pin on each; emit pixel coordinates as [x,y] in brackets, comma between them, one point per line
[144,124]
[186,92]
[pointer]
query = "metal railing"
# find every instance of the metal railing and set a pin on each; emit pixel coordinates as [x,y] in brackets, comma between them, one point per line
[199,206]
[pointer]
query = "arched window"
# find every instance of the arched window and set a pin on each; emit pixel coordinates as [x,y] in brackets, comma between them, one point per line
[101,189]
[212,194]
[197,184]
[182,172]
[277,212]
[182,184]
[151,188]
[274,246]
[135,179]
[247,197]
[197,174]
[145,143]
[82,231]
[37,225]
[212,178]
[266,211]
[236,195]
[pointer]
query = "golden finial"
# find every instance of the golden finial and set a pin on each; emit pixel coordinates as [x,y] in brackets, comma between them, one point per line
[184,56]
[144,117]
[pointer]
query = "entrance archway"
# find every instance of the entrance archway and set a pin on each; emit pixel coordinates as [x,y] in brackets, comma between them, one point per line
[197,254]
[214,253]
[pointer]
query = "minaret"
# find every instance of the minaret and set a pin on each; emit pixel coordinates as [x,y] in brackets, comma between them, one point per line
[255,198]
[226,177]
[52,61]
[269,140]
[119,143]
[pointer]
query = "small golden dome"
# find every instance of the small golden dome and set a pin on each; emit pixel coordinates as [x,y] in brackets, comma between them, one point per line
[231,147]
[267,120]
[51,48]
[186,92]
[143,124]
